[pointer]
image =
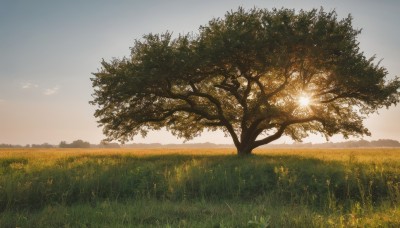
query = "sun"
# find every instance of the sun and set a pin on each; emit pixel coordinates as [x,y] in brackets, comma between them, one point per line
[304,101]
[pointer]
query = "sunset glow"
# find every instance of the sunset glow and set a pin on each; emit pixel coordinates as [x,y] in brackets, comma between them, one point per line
[304,101]
[49,50]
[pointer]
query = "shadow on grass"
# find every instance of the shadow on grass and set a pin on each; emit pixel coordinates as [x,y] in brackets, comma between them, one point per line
[286,179]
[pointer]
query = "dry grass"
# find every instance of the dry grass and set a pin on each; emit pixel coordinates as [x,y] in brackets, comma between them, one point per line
[292,187]
[367,155]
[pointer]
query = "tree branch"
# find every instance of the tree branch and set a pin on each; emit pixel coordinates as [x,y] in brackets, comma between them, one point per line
[169,113]
[279,89]
[196,93]
[259,84]
[281,130]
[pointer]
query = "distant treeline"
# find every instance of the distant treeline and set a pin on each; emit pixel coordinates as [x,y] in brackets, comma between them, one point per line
[63,144]
[184,145]
[44,145]
[82,144]
[75,144]
[348,144]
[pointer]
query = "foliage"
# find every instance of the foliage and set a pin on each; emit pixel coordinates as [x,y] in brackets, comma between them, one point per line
[43,145]
[3,145]
[75,144]
[260,222]
[246,74]
[151,213]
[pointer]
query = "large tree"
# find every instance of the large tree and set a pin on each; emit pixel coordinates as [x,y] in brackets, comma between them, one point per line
[256,75]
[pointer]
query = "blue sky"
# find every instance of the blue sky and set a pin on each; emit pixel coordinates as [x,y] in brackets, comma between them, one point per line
[48,50]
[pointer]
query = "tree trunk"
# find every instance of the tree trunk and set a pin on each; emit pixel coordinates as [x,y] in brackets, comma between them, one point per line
[244,150]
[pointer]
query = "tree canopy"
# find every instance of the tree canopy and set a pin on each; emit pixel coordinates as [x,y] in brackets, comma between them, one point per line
[255,74]
[75,144]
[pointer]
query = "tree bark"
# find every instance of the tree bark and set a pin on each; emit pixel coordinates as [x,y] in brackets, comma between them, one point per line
[245,150]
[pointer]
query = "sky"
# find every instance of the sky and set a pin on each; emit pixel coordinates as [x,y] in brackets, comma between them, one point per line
[48,50]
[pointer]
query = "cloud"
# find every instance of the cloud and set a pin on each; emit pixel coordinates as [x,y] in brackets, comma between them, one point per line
[51,91]
[28,85]
[2,101]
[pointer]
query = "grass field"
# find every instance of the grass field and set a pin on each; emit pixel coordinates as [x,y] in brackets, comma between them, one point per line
[199,188]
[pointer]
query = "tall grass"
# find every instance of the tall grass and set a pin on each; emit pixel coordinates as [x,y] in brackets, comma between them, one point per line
[345,183]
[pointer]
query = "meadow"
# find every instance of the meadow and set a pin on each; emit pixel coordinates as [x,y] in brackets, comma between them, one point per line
[199,188]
